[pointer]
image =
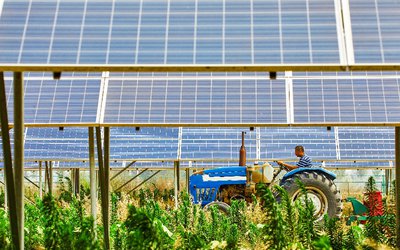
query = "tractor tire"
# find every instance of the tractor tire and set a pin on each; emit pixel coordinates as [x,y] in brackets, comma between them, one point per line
[222,206]
[321,190]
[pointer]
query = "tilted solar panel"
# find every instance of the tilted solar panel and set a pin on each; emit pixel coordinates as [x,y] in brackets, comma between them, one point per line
[168,32]
[346,100]
[202,101]
[376,30]
[58,101]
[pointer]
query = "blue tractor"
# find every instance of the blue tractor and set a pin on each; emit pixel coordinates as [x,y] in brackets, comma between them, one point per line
[220,186]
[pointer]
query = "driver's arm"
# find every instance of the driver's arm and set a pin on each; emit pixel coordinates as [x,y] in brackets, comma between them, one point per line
[289,166]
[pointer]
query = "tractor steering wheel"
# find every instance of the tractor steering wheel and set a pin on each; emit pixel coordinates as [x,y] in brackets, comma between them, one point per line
[283,167]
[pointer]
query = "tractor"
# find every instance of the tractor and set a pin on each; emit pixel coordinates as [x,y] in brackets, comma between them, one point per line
[219,186]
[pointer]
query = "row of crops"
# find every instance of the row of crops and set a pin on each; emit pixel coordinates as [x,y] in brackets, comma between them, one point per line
[148,219]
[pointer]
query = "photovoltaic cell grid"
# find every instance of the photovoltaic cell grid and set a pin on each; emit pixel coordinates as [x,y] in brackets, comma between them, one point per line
[50,143]
[147,143]
[368,143]
[168,32]
[215,143]
[346,100]
[376,30]
[61,101]
[279,143]
[195,101]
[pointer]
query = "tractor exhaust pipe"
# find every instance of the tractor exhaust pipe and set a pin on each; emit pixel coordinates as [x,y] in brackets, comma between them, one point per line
[242,153]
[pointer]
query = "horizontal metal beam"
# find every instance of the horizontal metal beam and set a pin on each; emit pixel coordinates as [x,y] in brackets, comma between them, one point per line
[213,125]
[179,67]
[198,67]
[161,160]
[192,77]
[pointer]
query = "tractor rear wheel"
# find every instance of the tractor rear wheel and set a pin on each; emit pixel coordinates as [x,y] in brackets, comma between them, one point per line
[222,206]
[321,190]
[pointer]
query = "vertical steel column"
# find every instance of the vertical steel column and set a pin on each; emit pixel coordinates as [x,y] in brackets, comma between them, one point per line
[46,177]
[387,181]
[176,182]
[103,184]
[19,128]
[40,180]
[187,179]
[93,187]
[8,168]
[51,177]
[107,183]
[76,181]
[397,156]
[72,178]
[5,191]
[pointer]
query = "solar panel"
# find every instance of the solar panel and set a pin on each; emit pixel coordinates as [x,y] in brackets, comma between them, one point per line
[376,33]
[216,143]
[204,101]
[168,32]
[279,143]
[147,143]
[61,101]
[51,144]
[346,100]
[366,143]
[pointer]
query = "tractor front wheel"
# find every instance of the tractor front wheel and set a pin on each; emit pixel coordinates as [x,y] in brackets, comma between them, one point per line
[320,190]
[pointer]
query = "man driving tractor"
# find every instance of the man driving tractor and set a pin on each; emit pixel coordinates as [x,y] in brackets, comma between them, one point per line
[304,162]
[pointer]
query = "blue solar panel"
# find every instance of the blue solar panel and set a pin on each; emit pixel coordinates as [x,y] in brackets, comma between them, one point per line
[215,143]
[148,143]
[50,143]
[366,143]
[159,101]
[346,100]
[376,33]
[61,101]
[279,143]
[168,32]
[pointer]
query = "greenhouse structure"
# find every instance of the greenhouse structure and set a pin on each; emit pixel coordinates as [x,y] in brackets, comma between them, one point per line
[169,85]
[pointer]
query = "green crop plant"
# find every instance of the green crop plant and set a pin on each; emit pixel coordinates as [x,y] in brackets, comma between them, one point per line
[5,239]
[33,226]
[145,231]
[275,233]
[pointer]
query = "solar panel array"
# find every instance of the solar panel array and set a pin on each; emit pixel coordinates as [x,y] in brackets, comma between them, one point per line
[168,32]
[195,101]
[204,32]
[58,101]
[346,100]
[376,33]
[213,146]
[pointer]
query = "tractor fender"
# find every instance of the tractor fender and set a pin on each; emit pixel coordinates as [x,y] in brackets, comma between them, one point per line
[326,173]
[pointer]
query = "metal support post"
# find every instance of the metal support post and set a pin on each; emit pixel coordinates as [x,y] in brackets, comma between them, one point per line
[51,177]
[40,180]
[176,182]
[8,168]
[104,183]
[397,156]
[187,179]
[48,177]
[76,181]
[5,191]
[19,151]
[387,182]
[92,174]
[107,182]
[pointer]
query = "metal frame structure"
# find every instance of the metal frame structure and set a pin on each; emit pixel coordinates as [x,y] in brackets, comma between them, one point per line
[14,180]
